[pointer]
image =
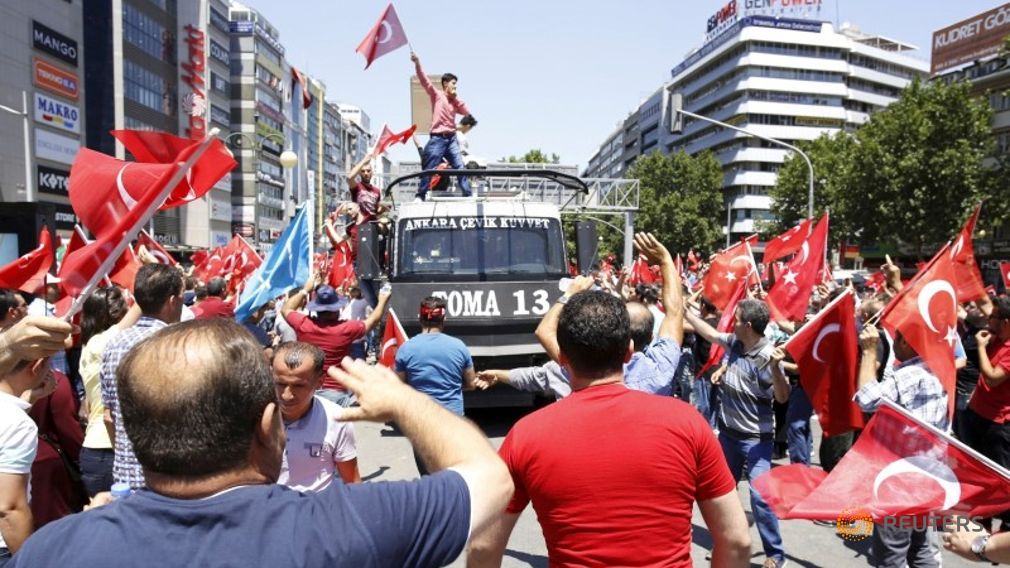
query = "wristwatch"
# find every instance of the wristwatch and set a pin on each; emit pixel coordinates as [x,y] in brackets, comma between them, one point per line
[563,299]
[978,547]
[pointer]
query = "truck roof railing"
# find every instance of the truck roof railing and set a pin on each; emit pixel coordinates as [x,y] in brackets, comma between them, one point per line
[568,192]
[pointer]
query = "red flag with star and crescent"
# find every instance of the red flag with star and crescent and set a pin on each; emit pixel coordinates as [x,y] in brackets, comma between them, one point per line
[388,138]
[826,351]
[154,247]
[386,35]
[393,337]
[787,243]
[28,273]
[341,273]
[899,466]
[969,283]
[725,325]
[925,313]
[726,269]
[790,295]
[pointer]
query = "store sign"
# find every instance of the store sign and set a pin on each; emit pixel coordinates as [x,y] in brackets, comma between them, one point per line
[241,27]
[64,216]
[194,69]
[735,10]
[269,40]
[219,52]
[52,180]
[219,238]
[718,22]
[54,43]
[220,210]
[969,40]
[54,79]
[57,114]
[55,147]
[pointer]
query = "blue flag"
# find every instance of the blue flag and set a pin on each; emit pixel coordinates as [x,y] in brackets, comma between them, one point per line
[287,265]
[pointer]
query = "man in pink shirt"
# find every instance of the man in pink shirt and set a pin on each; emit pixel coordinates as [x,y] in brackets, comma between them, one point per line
[442,143]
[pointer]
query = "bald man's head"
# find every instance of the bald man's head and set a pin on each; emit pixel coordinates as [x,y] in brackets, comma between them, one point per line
[642,322]
[192,396]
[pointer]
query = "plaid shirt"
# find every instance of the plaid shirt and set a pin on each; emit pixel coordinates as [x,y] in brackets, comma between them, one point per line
[125,467]
[913,387]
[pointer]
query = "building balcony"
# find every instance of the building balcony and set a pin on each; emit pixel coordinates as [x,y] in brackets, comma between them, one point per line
[762,202]
[744,177]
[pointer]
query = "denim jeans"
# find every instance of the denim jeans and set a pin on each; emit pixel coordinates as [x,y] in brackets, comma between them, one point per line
[357,350]
[960,405]
[754,457]
[702,399]
[801,441]
[338,397]
[684,379]
[5,556]
[96,470]
[439,147]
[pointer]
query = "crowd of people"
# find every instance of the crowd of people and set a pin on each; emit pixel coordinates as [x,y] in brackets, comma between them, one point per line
[212,432]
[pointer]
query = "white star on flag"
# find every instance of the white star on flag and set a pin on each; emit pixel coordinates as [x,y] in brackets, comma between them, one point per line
[790,277]
[730,276]
[951,337]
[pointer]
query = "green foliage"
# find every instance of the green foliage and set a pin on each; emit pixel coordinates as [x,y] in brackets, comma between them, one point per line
[534,156]
[910,174]
[681,200]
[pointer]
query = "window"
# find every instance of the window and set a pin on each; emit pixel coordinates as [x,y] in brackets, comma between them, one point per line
[266,51]
[219,84]
[268,99]
[145,33]
[475,253]
[146,88]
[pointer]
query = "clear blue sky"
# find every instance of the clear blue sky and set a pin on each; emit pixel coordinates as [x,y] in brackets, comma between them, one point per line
[555,75]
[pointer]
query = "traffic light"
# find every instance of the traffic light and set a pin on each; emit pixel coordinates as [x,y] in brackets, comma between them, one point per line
[676,118]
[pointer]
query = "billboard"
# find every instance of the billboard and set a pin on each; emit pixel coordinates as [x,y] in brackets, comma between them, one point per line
[54,79]
[976,38]
[57,114]
[420,102]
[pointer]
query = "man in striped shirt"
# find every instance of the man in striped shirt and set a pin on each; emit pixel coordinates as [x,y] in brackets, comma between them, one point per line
[753,378]
[915,388]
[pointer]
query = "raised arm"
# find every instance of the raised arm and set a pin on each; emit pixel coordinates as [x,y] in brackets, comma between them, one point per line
[425,82]
[295,302]
[352,176]
[673,298]
[991,374]
[375,317]
[547,331]
[442,439]
[702,328]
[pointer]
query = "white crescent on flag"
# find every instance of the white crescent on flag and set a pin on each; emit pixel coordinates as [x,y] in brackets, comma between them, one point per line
[128,199]
[926,296]
[386,32]
[928,467]
[828,329]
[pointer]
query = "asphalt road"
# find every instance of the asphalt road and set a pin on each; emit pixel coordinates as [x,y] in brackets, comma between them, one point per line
[384,454]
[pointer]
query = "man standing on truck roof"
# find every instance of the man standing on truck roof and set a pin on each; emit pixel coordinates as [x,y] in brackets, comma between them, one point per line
[442,142]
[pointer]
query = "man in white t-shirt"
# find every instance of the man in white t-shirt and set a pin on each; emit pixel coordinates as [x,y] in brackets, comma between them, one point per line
[19,440]
[357,309]
[318,446]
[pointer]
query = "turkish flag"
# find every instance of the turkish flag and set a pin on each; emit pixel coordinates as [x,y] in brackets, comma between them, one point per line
[393,337]
[299,77]
[827,354]
[211,265]
[388,138]
[789,297]
[154,147]
[726,269]
[787,243]
[155,248]
[875,281]
[77,241]
[386,35]
[899,466]
[341,266]
[28,273]
[199,257]
[124,273]
[725,325]
[641,273]
[1004,270]
[969,283]
[925,313]
[114,199]
[242,261]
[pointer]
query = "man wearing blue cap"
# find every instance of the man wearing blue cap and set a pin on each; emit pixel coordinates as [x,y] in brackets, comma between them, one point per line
[327,331]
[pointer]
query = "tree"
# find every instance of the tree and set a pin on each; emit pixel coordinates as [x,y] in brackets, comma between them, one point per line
[534,156]
[680,200]
[910,174]
[831,156]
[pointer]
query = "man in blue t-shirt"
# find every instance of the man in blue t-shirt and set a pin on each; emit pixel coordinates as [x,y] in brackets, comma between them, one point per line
[198,401]
[436,364]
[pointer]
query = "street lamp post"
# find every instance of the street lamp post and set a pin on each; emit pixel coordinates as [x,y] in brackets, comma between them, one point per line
[810,166]
[288,159]
[29,186]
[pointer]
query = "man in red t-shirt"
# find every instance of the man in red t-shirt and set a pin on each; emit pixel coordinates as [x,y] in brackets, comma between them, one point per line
[215,306]
[363,193]
[612,473]
[986,425]
[328,332]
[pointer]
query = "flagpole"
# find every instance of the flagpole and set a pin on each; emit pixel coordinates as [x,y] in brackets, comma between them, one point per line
[948,438]
[753,265]
[131,234]
[311,204]
[830,305]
